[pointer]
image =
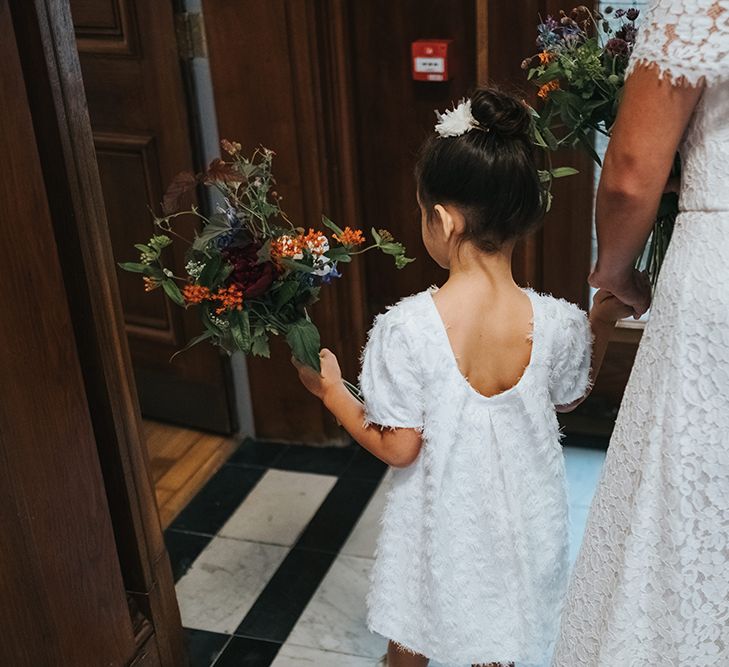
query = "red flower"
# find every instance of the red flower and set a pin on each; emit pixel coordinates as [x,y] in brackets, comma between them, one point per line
[248,274]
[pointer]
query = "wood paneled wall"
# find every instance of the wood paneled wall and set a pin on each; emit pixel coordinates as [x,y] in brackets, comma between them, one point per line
[327,85]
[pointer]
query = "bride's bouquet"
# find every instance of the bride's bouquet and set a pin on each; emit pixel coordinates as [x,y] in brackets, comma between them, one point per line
[250,273]
[580,71]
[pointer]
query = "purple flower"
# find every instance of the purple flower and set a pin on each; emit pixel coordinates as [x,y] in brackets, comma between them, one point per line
[619,13]
[632,13]
[617,47]
[627,33]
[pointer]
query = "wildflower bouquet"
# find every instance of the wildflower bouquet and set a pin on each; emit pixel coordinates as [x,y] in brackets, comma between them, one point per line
[580,71]
[250,273]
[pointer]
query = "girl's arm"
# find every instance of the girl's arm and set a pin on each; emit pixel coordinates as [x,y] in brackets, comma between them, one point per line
[397,447]
[605,312]
[651,121]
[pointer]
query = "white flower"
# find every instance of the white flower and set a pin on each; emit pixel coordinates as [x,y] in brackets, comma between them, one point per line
[194,269]
[167,272]
[456,121]
[323,266]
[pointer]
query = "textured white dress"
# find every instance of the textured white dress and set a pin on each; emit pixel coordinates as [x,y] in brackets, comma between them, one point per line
[651,582]
[471,563]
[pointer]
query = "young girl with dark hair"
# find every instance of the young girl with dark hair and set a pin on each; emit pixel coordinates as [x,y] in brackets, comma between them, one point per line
[460,387]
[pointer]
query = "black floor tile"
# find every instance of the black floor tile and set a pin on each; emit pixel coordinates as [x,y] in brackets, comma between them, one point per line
[183,548]
[218,499]
[257,453]
[337,515]
[204,647]
[365,466]
[279,606]
[321,460]
[245,652]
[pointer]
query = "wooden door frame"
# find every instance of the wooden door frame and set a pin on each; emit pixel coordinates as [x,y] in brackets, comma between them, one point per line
[53,77]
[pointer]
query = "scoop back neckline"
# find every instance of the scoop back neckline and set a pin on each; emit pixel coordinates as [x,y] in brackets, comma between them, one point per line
[453,361]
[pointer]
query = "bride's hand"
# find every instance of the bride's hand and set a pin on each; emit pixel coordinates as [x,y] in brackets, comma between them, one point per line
[633,289]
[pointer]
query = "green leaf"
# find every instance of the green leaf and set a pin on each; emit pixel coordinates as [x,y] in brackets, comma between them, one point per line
[207,322]
[551,140]
[305,343]
[285,293]
[560,172]
[218,224]
[392,248]
[198,339]
[172,291]
[338,254]
[376,236]
[295,266]
[328,223]
[225,270]
[155,272]
[208,274]
[259,344]
[134,267]
[143,248]
[240,328]
[539,138]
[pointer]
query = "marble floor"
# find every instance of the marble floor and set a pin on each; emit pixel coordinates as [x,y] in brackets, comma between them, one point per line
[272,557]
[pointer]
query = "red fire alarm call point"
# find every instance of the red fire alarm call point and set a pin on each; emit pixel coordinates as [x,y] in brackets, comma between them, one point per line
[430,59]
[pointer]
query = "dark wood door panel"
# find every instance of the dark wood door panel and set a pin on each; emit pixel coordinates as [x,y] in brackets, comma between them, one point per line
[394,116]
[138,109]
[105,26]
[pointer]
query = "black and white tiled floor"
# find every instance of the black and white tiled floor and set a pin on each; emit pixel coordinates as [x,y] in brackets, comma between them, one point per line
[272,557]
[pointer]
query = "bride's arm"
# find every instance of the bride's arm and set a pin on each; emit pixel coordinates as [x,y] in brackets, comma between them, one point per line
[652,118]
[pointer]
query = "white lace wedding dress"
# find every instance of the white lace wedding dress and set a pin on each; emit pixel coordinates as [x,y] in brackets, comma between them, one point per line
[651,582]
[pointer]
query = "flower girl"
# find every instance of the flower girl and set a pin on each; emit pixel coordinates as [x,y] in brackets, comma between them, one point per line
[460,386]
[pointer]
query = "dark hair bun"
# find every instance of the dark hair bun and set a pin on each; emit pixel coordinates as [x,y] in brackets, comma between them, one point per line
[500,113]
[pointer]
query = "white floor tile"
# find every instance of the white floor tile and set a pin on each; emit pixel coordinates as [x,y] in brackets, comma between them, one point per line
[279,507]
[224,582]
[291,655]
[335,618]
[363,540]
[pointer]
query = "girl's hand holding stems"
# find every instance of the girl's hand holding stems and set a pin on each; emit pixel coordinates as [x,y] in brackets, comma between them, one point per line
[396,447]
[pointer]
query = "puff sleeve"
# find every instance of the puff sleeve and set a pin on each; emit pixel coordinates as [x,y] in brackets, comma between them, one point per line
[571,354]
[390,380]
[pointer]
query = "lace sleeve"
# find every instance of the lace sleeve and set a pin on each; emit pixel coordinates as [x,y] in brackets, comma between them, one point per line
[686,40]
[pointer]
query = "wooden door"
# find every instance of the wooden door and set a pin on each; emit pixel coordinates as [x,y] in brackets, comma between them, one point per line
[297,100]
[85,579]
[142,133]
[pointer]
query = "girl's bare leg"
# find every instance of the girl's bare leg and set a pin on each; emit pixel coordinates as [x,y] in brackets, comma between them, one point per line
[396,657]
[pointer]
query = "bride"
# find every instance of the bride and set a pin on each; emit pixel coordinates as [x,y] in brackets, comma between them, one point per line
[651,582]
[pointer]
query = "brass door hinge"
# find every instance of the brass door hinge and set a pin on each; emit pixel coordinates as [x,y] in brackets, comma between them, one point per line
[190,29]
